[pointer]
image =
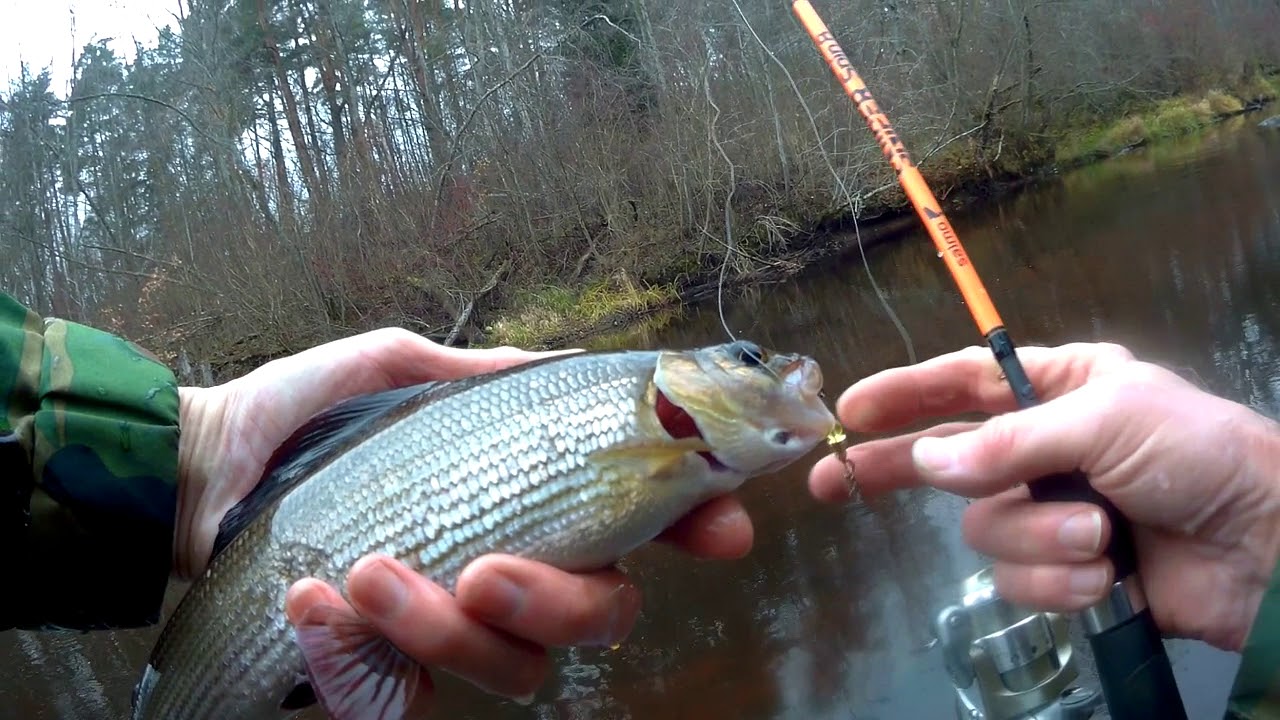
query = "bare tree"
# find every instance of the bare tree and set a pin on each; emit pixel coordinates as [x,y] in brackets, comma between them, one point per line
[276,172]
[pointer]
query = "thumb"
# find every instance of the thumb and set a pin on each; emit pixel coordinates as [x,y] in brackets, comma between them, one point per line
[1062,435]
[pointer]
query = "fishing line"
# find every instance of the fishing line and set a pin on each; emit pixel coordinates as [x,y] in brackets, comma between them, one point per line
[844,189]
[1132,664]
[728,199]
[730,244]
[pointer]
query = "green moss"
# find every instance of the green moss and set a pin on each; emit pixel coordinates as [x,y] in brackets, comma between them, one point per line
[1221,103]
[1177,117]
[1171,118]
[641,333]
[1128,132]
[1104,141]
[550,312]
[1259,88]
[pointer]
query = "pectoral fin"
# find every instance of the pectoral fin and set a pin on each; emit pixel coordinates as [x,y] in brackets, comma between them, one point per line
[356,673]
[650,458]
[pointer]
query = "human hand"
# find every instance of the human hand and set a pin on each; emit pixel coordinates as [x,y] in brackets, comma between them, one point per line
[1195,474]
[505,611]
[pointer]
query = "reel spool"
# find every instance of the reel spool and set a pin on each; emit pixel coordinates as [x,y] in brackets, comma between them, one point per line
[1007,662]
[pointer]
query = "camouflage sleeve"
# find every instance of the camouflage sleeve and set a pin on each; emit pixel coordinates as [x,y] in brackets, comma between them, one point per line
[1256,693]
[89,452]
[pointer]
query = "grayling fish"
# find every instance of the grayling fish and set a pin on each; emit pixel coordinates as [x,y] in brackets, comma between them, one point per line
[573,460]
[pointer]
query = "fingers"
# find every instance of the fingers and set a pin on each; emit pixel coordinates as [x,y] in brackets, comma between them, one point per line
[878,465]
[306,594]
[506,611]
[1047,555]
[427,624]
[1062,435]
[965,381]
[379,360]
[309,593]
[719,528]
[1057,588]
[1011,527]
[547,606]
[404,358]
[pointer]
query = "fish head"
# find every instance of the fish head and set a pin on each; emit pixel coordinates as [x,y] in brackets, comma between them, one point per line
[757,410]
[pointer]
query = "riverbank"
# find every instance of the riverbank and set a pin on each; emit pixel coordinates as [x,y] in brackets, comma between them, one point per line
[555,316]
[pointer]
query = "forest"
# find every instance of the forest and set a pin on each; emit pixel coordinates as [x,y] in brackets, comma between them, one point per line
[276,173]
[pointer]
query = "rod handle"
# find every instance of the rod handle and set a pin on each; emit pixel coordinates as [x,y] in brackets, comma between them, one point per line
[1135,672]
[1064,487]
[1075,487]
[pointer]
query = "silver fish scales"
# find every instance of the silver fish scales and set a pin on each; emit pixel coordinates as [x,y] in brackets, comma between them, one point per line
[572,461]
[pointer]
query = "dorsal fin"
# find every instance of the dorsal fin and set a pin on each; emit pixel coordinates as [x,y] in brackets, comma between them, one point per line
[315,444]
[337,429]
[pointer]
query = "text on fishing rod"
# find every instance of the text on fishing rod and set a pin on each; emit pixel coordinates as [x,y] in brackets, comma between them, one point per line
[884,133]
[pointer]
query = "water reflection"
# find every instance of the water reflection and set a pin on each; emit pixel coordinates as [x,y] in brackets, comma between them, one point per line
[1174,252]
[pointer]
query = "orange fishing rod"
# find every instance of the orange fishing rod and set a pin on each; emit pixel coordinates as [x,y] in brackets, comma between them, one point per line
[1133,667]
[913,183]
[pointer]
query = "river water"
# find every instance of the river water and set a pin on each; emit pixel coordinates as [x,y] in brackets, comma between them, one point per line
[1174,251]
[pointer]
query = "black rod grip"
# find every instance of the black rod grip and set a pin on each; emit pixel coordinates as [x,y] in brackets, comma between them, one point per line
[1133,667]
[1135,673]
[1075,487]
[1064,487]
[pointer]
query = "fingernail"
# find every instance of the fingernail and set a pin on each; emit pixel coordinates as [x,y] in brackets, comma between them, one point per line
[619,622]
[1082,531]
[525,700]
[860,417]
[501,598]
[1087,582]
[376,589]
[935,455]
[732,517]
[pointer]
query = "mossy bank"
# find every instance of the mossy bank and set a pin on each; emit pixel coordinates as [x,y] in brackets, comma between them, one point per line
[553,316]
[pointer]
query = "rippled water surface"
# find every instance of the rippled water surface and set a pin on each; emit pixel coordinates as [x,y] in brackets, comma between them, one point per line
[1174,251]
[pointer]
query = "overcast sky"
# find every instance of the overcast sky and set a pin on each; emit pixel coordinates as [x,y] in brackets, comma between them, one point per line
[45,33]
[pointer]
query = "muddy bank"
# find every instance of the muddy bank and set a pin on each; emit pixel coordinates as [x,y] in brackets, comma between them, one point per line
[834,240]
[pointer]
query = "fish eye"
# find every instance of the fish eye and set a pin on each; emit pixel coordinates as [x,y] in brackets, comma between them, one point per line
[747,352]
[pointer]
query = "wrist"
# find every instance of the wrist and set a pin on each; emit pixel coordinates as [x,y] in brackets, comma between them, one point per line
[199,441]
[1263,450]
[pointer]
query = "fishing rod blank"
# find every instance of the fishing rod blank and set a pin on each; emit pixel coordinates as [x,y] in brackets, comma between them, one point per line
[1133,666]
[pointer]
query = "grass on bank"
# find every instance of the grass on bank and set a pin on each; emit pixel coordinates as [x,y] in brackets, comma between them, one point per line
[1171,118]
[551,312]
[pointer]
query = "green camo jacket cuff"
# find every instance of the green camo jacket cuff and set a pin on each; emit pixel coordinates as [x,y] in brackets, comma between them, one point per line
[88,475]
[1256,694]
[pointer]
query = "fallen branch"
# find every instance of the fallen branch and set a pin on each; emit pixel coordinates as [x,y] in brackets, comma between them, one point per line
[469,304]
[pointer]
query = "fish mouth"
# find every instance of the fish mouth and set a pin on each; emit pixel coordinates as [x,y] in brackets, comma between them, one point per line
[804,374]
[679,424]
[749,408]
